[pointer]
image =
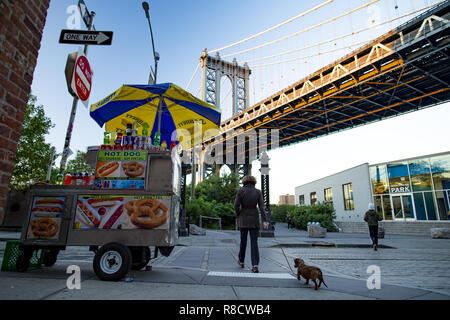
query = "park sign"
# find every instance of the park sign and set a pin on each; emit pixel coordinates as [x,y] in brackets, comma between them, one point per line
[86,37]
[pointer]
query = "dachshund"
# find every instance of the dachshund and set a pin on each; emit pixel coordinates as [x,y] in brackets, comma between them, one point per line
[309,272]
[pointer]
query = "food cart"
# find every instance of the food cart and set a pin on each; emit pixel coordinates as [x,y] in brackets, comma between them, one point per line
[133,204]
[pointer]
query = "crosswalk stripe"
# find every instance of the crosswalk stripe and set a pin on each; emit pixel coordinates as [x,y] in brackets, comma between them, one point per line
[250,275]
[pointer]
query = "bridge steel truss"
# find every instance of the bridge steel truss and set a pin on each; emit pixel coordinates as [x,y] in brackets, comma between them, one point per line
[404,70]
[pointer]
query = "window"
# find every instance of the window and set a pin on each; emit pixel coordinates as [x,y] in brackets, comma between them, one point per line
[440,166]
[398,177]
[420,175]
[378,176]
[301,200]
[313,198]
[348,197]
[328,196]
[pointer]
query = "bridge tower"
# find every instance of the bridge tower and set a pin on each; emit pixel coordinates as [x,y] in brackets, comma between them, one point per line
[213,68]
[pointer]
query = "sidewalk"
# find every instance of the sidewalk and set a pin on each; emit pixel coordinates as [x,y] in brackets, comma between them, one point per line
[204,267]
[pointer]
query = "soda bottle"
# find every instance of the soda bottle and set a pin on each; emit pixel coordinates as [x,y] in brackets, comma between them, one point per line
[73,179]
[119,139]
[67,179]
[106,137]
[80,179]
[157,139]
[129,129]
[164,145]
[145,129]
[59,178]
[92,178]
[86,179]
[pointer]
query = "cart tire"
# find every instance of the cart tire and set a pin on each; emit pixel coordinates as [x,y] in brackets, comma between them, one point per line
[50,257]
[140,262]
[23,260]
[112,261]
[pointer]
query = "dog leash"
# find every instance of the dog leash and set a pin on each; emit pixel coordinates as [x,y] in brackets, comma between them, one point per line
[287,261]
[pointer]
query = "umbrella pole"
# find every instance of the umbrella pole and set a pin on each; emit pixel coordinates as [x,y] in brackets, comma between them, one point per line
[159,113]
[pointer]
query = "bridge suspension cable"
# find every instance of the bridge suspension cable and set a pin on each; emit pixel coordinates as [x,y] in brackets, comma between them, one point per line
[193,75]
[272,28]
[341,36]
[301,31]
[312,55]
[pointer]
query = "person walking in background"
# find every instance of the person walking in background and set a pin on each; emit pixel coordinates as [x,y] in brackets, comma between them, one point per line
[247,198]
[289,220]
[372,218]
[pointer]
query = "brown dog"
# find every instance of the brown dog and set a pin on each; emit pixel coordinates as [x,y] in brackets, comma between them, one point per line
[309,272]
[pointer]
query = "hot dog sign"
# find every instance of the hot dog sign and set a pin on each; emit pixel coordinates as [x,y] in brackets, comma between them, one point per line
[121,169]
[122,212]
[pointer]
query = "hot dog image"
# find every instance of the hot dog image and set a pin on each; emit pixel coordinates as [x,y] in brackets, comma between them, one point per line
[48,207]
[107,168]
[111,219]
[87,215]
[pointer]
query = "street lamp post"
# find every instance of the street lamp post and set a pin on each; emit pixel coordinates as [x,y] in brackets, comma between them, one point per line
[151,80]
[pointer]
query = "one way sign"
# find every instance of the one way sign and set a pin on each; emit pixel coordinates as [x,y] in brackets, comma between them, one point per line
[86,37]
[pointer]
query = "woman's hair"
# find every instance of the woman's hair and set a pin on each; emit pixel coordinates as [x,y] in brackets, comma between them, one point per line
[248,179]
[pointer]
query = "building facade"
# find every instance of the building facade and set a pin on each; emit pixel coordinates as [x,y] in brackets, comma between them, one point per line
[21,27]
[287,199]
[408,190]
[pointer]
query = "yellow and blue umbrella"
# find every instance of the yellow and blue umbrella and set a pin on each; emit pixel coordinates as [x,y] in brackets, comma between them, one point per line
[163,107]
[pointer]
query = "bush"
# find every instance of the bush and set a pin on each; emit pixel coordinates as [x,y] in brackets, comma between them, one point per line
[321,212]
[279,212]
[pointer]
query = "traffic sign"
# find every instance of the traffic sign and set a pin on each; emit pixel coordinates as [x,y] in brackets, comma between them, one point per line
[82,78]
[86,37]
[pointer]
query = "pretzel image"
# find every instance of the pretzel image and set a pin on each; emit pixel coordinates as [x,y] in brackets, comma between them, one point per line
[141,210]
[133,168]
[44,227]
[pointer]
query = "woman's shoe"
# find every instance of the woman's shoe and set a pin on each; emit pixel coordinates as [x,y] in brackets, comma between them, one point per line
[255,269]
[241,264]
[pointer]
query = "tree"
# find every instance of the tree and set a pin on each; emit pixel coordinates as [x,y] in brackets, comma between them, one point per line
[78,164]
[33,153]
[214,197]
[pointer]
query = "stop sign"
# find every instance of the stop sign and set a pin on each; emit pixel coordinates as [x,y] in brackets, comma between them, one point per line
[82,78]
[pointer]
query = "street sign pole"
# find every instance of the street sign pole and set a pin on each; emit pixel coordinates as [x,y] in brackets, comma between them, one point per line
[66,151]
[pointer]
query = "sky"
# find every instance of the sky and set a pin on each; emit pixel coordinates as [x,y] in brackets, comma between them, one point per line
[182,29]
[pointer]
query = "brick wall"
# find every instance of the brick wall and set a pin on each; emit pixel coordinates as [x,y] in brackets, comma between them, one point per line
[21,26]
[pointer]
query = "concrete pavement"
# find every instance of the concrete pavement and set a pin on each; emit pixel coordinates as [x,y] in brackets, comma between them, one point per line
[205,268]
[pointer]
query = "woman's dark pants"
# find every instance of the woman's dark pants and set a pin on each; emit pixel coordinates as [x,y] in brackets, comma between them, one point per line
[373,231]
[253,245]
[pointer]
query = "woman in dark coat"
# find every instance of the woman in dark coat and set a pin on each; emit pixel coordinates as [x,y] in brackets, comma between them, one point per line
[247,198]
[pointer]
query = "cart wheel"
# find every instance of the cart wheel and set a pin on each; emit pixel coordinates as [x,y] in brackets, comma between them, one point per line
[50,257]
[23,260]
[141,257]
[112,261]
